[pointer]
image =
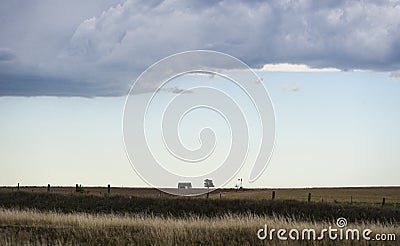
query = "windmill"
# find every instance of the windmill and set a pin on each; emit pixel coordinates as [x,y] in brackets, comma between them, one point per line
[239,185]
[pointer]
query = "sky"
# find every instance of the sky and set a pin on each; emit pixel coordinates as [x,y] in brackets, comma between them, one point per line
[331,68]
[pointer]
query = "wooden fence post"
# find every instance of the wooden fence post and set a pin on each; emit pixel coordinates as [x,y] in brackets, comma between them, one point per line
[18,186]
[273,195]
[109,189]
[309,197]
[383,202]
[76,188]
[48,187]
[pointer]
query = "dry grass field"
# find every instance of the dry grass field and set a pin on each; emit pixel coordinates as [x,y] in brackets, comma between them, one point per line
[145,216]
[25,227]
[369,195]
[361,195]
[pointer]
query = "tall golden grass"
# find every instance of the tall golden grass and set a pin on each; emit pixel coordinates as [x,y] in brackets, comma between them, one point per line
[31,227]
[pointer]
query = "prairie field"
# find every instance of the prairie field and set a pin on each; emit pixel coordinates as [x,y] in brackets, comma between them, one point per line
[127,216]
[53,228]
[358,195]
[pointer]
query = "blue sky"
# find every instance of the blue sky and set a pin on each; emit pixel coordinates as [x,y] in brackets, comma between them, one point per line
[66,68]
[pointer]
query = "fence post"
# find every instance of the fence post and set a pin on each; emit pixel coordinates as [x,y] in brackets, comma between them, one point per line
[220,195]
[109,189]
[76,188]
[383,202]
[18,186]
[273,195]
[48,187]
[309,197]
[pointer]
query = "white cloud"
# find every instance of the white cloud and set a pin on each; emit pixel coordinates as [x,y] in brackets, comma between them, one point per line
[286,67]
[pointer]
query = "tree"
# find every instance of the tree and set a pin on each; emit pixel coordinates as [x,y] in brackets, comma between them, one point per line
[208,183]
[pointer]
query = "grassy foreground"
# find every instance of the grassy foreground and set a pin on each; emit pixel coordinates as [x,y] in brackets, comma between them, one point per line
[183,206]
[24,227]
[33,218]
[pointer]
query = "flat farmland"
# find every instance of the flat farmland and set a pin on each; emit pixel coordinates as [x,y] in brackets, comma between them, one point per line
[361,195]
[368,195]
[145,216]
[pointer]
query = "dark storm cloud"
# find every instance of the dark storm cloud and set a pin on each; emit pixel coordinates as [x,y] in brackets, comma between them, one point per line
[101,53]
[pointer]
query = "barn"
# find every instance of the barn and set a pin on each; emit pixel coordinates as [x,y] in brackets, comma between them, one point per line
[184,185]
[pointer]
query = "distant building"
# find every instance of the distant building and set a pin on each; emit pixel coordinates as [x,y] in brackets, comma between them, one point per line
[184,185]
